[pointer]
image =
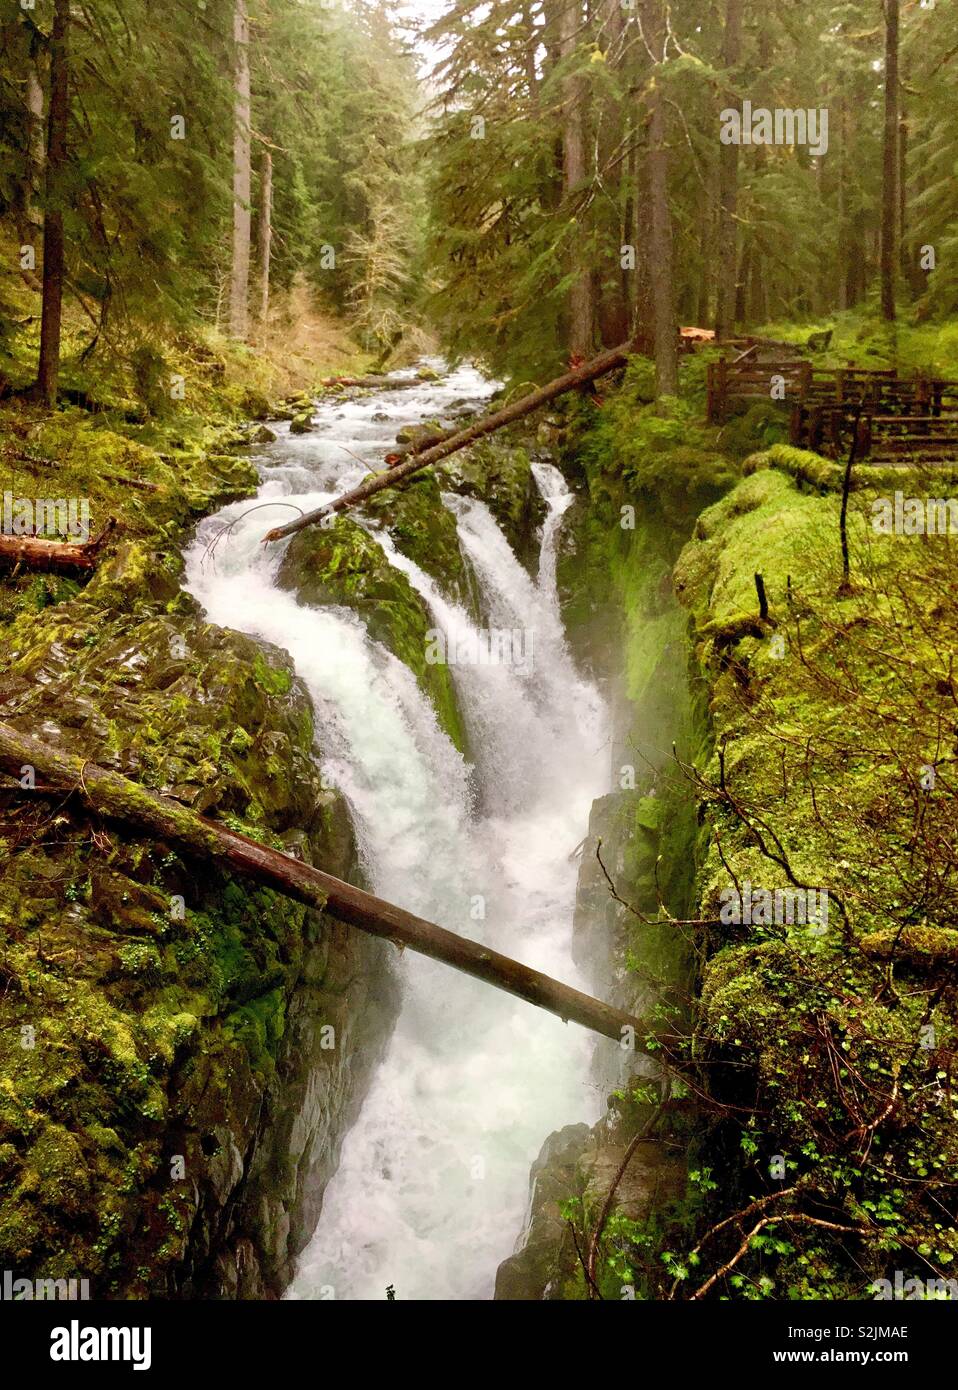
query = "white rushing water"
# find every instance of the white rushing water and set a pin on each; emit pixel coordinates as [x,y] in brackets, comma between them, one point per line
[433,1180]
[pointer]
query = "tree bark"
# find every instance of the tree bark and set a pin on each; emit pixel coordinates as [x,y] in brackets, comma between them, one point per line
[239,281]
[530,44]
[265,235]
[48,369]
[376,380]
[605,362]
[643,318]
[53,557]
[665,326]
[889,220]
[574,169]
[612,283]
[117,797]
[27,207]
[843,227]
[727,239]
[35,119]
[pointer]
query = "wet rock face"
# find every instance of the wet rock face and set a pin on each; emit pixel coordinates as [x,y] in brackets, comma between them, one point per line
[541,1257]
[621,623]
[579,1165]
[185,1050]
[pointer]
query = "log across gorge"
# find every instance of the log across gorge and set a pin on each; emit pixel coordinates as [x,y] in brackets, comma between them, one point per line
[119,799]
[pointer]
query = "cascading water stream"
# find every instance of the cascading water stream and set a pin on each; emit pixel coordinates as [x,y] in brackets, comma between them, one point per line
[432,1184]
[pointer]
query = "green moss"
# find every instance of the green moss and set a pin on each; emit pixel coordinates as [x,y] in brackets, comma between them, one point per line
[272,678]
[343,564]
[818,1033]
[498,471]
[424,531]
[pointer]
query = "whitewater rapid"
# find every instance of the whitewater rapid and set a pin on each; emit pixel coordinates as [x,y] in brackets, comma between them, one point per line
[432,1185]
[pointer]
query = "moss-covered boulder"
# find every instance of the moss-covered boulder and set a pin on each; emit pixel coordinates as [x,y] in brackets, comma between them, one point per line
[498,471]
[425,532]
[343,564]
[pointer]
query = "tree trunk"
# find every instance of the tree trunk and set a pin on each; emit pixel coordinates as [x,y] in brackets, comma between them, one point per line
[35,118]
[758,305]
[727,239]
[911,271]
[708,235]
[889,220]
[742,281]
[605,362]
[530,44]
[27,206]
[612,310]
[265,235]
[843,227]
[239,281]
[643,330]
[665,327]
[53,557]
[112,795]
[48,370]
[574,169]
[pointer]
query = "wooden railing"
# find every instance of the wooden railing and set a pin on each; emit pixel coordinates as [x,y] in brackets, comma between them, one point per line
[900,418]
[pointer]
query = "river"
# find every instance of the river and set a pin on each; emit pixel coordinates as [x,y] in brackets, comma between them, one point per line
[432,1186]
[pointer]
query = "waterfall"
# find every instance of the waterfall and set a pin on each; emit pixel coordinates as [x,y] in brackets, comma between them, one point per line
[558,500]
[432,1184]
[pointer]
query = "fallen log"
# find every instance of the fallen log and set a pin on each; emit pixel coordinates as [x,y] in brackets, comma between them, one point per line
[118,798]
[53,557]
[382,383]
[579,376]
[420,445]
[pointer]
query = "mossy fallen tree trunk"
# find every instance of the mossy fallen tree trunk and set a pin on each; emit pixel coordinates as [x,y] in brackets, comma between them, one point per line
[116,797]
[580,376]
[53,557]
[382,383]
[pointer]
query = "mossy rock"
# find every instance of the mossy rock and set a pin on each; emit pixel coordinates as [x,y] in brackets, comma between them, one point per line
[425,532]
[498,471]
[112,996]
[255,404]
[342,564]
[923,948]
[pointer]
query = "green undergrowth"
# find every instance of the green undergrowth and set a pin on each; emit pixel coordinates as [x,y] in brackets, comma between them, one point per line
[825,1048]
[861,339]
[152,492]
[816,748]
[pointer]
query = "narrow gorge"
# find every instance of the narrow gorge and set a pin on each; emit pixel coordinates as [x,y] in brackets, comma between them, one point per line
[431,1186]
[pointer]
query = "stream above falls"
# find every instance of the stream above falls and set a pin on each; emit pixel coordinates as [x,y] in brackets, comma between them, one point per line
[432,1185]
